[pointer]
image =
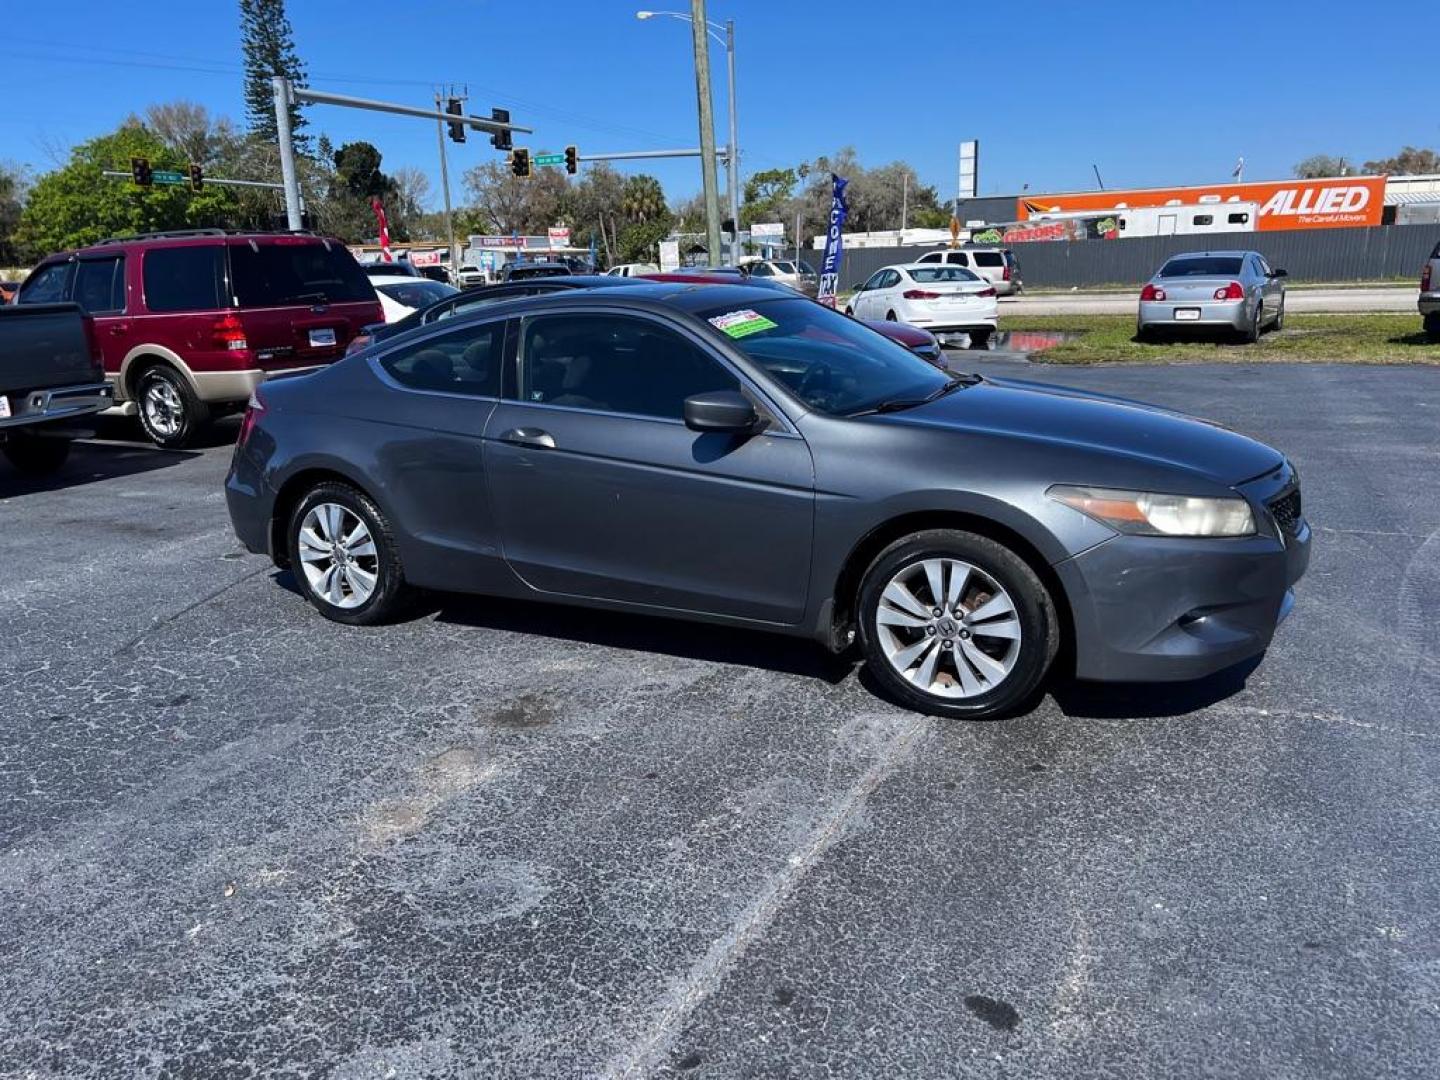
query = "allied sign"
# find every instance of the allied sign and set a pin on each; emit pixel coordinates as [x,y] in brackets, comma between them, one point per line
[834,243]
[1330,203]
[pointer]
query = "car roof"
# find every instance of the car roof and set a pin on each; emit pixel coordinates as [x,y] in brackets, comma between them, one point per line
[399,279]
[203,238]
[923,266]
[1229,254]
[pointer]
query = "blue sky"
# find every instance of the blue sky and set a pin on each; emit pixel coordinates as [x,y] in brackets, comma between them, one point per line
[1154,93]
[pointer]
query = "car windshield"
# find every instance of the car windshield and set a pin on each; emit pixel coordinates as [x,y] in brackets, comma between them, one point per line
[1202,266]
[831,363]
[929,274]
[417,293]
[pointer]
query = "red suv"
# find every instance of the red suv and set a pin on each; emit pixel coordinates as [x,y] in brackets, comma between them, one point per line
[191,322]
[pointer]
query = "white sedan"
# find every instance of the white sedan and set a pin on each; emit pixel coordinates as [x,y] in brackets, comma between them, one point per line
[942,299]
[400,295]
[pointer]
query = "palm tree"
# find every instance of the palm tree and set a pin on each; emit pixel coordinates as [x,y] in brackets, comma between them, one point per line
[643,199]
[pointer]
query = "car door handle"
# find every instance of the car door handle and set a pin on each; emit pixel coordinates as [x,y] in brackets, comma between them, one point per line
[119,328]
[529,436]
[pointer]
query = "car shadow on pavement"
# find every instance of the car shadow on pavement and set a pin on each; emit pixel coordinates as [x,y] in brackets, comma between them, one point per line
[643,633]
[1140,701]
[90,462]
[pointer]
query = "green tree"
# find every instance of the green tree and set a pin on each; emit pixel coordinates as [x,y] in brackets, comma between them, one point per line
[1411,161]
[268,45]
[12,202]
[356,180]
[643,200]
[503,203]
[767,194]
[77,205]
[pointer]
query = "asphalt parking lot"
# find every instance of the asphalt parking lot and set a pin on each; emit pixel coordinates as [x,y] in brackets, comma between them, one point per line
[507,840]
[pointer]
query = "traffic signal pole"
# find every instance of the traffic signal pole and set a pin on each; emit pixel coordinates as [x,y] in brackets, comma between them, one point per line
[454,267]
[287,94]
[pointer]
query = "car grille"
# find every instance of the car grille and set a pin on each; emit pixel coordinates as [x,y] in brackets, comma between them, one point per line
[1285,509]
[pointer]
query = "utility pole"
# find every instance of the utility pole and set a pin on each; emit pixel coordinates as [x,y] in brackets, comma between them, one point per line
[454,268]
[281,86]
[732,158]
[904,204]
[699,30]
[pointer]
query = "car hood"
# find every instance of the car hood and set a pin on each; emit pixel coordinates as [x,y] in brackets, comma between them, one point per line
[901,332]
[1066,417]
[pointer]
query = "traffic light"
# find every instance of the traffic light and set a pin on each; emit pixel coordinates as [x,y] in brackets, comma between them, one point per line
[455,107]
[520,161]
[140,171]
[500,140]
[197,177]
[572,159]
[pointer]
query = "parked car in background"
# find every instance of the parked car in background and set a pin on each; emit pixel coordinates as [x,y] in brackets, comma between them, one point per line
[483,296]
[189,323]
[520,271]
[52,383]
[1430,295]
[799,276]
[632,269]
[400,296]
[468,276]
[999,266]
[920,342]
[941,299]
[753,459]
[1225,290]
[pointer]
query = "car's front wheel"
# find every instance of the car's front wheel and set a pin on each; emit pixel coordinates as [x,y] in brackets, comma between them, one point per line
[1432,327]
[956,624]
[170,412]
[1251,334]
[36,454]
[344,556]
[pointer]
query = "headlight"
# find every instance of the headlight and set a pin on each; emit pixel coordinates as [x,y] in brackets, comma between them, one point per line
[1148,513]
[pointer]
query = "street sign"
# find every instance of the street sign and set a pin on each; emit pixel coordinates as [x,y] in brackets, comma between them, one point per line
[167,176]
[759,229]
[548,159]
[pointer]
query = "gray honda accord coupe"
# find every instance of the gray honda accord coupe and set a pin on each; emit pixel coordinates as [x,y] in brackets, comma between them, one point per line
[726,454]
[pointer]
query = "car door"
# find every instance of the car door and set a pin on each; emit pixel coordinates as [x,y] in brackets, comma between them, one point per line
[883,302]
[1273,287]
[601,491]
[99,287]
[863,302]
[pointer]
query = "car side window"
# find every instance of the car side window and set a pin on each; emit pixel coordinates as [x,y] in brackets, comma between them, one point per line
[47,285]
[932,257]
[615,363]
[959,258]
[762,270]
[467,360]
[1262,266]
[873,282]
[100,285]
[890,280]
[189,278]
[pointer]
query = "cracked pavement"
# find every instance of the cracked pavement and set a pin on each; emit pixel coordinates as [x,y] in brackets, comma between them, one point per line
[513,840]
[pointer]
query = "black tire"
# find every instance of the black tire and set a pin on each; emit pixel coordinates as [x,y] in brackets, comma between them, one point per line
[1146,335]
[1034,611]
[979,339]
[1432,327]
[36,455]
[184,415]
[390,594]
[1279,319]
[1251,334]
[849,311]
[890,316]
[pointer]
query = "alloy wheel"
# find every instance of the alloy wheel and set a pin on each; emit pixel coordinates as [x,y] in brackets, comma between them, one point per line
[948,627]
[164,411]
[338,556]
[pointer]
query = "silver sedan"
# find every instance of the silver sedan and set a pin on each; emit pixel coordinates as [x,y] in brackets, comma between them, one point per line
[1228,290]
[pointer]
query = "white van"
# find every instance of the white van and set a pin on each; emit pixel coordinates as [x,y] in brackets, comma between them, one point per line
[632,270]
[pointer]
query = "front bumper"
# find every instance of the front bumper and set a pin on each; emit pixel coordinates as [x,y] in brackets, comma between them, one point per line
[1227,314]
[57,405]
[1165,609]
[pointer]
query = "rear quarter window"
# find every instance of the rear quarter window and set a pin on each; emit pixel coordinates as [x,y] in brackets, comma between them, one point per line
[185,278]
[989,258]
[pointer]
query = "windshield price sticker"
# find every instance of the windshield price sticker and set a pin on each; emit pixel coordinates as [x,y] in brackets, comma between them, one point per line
[740,324]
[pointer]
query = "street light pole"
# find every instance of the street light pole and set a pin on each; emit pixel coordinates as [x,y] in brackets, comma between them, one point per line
[699,29]
[732,159]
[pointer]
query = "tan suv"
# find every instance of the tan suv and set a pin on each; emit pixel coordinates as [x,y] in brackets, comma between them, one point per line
[1430,295]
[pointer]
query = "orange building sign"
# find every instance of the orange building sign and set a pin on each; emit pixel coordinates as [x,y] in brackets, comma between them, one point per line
[1336,202]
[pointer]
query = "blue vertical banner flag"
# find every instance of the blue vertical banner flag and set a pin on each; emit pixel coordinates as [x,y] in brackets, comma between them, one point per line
[834,243]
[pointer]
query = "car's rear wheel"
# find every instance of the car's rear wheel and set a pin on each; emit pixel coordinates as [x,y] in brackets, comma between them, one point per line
[979,339]
[956,624]
[1432,327]
[890,316]
[1251,334]
[169,411]
[1280,318]
[344,556]
[36,454]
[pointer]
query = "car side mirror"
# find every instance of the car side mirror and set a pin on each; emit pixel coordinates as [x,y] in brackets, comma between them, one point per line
[1280,273]
[859,286]
[720,410]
